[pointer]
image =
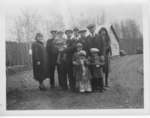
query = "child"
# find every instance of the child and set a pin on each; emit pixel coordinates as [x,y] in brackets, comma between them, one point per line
[96,63]
[81,72]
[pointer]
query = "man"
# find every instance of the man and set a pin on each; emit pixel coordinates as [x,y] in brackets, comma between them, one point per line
[61,60]
[52,53]
[71,47]
[91,38]
[83,39]
[76,33]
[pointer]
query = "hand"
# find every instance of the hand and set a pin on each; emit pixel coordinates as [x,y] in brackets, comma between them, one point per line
[97,65]
[75,63]
[38,63]
[83,74]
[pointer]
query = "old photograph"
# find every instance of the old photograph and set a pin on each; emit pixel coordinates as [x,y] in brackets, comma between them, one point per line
[74,55]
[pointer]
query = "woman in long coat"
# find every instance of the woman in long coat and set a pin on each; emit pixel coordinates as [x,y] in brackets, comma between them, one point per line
[39,60]
[105,50]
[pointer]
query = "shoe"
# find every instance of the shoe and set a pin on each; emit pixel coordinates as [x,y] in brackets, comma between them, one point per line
[52,87]
[42,88]
[82,91]
[106,86]
[101,90]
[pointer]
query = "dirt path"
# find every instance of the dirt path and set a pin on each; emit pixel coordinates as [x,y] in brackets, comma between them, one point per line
[126,90]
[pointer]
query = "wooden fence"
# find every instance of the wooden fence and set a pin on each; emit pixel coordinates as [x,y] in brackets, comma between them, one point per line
[17,54]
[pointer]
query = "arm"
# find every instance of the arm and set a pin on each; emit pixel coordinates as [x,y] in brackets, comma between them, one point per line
[35,54]
[74,60]
[70,47]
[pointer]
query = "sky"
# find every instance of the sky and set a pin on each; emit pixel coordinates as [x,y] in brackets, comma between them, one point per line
[114,11]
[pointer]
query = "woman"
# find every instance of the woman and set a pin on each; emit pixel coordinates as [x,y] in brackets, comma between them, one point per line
[105,49]
[39,60]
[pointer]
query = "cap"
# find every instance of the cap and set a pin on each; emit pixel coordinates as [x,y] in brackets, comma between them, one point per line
[82,31]
[82,53]
[60,32]
[76,29]
[94,50]
[90,26]
[68,31]
[53,31]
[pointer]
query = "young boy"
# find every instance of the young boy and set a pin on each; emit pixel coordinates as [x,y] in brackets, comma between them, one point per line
[96,63]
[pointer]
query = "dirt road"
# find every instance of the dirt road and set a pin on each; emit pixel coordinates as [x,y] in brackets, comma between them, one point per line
[125,91]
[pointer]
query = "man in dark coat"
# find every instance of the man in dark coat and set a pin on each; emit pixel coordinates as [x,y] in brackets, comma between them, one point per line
[52,52]
[61,61]
[71,47]
[92,43]
[83,39]
[76,33]
[91,38]
[39,60]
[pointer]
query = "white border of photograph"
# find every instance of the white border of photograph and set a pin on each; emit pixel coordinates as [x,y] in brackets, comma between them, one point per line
[146,30]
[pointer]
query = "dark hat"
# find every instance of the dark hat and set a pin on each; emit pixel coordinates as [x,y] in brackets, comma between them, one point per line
[75,29]
[82,31]
[53,31]
[90,26]
[68,31]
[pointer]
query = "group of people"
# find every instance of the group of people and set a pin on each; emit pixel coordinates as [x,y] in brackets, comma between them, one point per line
[82,61]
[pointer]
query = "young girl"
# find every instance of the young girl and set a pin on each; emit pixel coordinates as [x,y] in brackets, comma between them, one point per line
[81,72]
[96,63]
[39,60]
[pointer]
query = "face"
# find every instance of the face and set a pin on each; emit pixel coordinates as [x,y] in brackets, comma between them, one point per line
[79,48]
[54,35]
[76,33]
[82,57]
[92,30]
[69,35]
[103,33]
[60,36]
[94,54]
[40,38]
[83,34]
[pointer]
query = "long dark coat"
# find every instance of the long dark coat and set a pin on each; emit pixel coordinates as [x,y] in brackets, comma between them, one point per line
[52,52]
[91,42]
[69,51]
[105,49]
[84,42]
[71,48]
[103,45]
[39,61]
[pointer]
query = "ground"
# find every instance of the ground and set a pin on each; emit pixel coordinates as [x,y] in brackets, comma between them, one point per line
[125,91]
